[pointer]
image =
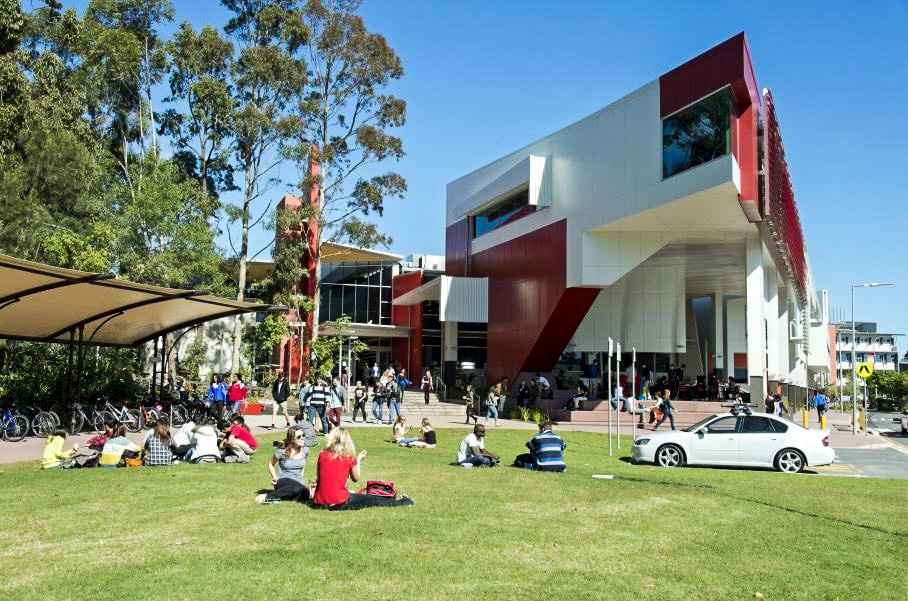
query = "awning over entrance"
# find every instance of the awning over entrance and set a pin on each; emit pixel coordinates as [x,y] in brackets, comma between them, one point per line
[43,303]
[365,330]
[459,298]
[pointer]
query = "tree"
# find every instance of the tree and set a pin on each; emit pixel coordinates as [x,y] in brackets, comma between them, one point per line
[890,384]
[268,74]
[345,129]
[200,79]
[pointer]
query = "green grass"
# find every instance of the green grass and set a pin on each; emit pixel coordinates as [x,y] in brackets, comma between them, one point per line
[193,532]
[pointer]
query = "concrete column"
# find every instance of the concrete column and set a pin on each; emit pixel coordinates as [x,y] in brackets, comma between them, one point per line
[755,319]
[449,352]
[719,332]
[772,320]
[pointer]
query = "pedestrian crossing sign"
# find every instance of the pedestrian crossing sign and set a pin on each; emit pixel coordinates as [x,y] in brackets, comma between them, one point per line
[865,370]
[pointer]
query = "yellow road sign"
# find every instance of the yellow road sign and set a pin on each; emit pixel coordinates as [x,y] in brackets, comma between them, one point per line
[865,370]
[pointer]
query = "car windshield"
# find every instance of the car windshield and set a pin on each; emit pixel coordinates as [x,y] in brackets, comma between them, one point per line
[699,424]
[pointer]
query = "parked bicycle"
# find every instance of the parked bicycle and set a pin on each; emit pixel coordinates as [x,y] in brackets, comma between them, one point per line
[44,423]
[124,415]
[15,426]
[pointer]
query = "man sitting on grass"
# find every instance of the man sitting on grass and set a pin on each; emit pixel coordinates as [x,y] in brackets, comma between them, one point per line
[472,450]
[547,449]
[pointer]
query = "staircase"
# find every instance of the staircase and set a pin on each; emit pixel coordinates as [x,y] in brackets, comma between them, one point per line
[440,413]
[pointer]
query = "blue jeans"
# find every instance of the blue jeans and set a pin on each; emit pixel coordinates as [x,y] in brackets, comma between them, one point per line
[320,411]
[491,411]
[476,460]
[614,403]
[405,441]
[236,406]
[376,409]
[392,407]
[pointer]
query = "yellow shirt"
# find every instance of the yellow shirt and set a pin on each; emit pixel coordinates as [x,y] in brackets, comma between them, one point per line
[53,453]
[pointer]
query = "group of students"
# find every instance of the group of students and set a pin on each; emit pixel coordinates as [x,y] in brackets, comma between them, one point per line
[207,442]
[546,451]
[222,394]
[495,401]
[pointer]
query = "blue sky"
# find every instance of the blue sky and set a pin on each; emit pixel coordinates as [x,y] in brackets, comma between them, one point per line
[483,78]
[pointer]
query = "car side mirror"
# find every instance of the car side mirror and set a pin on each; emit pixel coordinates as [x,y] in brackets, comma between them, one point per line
[701,432]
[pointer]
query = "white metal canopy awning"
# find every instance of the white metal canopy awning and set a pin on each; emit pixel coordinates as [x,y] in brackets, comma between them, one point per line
[44,303]
[459,298]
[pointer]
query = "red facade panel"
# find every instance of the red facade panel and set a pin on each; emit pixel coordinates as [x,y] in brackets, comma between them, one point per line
[532,316]
[727,64]
[407,350]
[457,248]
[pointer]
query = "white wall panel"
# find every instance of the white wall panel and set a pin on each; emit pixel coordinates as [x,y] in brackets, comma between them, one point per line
[464,299]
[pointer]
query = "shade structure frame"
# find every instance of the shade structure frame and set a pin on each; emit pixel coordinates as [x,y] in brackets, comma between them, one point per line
[44,303]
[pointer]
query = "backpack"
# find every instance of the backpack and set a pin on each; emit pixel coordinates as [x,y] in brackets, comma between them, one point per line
[379,488]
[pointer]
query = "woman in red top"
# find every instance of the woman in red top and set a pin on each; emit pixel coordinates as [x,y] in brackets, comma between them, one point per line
[236,394]
[337,462]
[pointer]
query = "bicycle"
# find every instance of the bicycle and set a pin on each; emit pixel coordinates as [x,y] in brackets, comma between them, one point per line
[124,415]
[78,418]
[44,423]
[15,426]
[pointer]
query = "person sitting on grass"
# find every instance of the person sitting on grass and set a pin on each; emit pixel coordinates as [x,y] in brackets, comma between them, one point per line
[426,440]
[96,443]
[399,432]
[118,449]
[181,444]
[546,450]
[472,450]
[53,455]
[157,445]
[338,462]
[205,444]
[286,469]
[240,441]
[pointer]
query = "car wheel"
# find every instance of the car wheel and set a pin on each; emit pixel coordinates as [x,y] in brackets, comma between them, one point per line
[670,455]
[790,461]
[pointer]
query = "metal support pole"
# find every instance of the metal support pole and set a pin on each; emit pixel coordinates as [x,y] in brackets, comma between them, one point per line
[79,366]
[69,369]
[854,373]
[618,385]
[634,390]
[154,368]
[340,357]
[163,367]
[609,396]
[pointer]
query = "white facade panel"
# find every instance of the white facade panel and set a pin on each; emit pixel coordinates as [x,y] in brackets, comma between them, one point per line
[464,299]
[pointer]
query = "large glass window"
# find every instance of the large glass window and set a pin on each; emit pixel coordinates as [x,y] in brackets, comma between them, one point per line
[511,208]
[361,291]
[697,134]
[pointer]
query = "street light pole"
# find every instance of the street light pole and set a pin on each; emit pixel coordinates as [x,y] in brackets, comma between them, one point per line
[854,367]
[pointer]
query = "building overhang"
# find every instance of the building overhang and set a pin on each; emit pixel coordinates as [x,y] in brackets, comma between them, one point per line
[459,298]
[364,330]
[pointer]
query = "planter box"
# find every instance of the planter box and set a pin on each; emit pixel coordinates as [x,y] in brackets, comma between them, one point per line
[251,409]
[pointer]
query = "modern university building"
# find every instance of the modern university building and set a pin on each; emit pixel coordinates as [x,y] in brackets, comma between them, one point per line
[665,221]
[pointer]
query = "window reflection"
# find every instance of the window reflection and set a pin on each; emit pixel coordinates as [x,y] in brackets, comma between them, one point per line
[697,134]
[511,208]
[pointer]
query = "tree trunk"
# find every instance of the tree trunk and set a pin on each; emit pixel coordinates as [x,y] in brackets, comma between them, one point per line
[154,139]
[241,280]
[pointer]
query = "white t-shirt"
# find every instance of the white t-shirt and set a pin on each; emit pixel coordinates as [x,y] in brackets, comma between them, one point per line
[471,440]
[205,442]
[544,382]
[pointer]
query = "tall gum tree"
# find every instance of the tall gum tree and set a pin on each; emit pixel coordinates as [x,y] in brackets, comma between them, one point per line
[345,123]
[268,77]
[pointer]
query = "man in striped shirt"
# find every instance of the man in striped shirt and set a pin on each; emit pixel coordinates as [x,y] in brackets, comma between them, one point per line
[318,399]
[547,449]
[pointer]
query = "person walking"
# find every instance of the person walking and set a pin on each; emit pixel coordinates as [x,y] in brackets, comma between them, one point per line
[502,391]
[280,390]
[820,402]
[471,399]
[360,394]
[217,393]
[304,392]
[336,401]
[393,391]
[426,385]
[318,401]
[378,399]
[492,406]
[665,405]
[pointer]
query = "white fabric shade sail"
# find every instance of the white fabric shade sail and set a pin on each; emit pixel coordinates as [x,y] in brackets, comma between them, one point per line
[44,303]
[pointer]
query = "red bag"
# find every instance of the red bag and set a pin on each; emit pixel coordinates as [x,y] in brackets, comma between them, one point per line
[379,488]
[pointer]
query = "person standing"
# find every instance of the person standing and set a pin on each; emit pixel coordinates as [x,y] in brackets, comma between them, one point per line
[217,393]
[393,391]
[502,391]
[377,401]
[280,390]
[236,394]
[426,385]
[665,405]
[318,399]
[304,392]
[336,401]
[359,400]
[471,399]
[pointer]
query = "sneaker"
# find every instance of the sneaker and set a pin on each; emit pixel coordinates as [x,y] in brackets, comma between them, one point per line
[272,502]
[230,459]
[406,500]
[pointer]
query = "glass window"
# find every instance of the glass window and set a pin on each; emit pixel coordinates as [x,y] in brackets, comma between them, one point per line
[697,134]
[779,426]
[755,424]
[501,213]
[725,425]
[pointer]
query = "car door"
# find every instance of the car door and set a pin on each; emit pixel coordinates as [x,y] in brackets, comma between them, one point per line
[716,443]
[758,440]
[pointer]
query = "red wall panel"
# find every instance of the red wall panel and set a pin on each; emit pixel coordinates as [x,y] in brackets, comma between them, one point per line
[457,247]
[407,350]
[726,64]
[532,316]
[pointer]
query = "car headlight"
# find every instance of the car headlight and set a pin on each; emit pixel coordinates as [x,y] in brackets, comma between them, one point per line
[641,441]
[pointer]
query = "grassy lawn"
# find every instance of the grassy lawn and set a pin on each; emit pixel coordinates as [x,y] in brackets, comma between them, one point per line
[193,532]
